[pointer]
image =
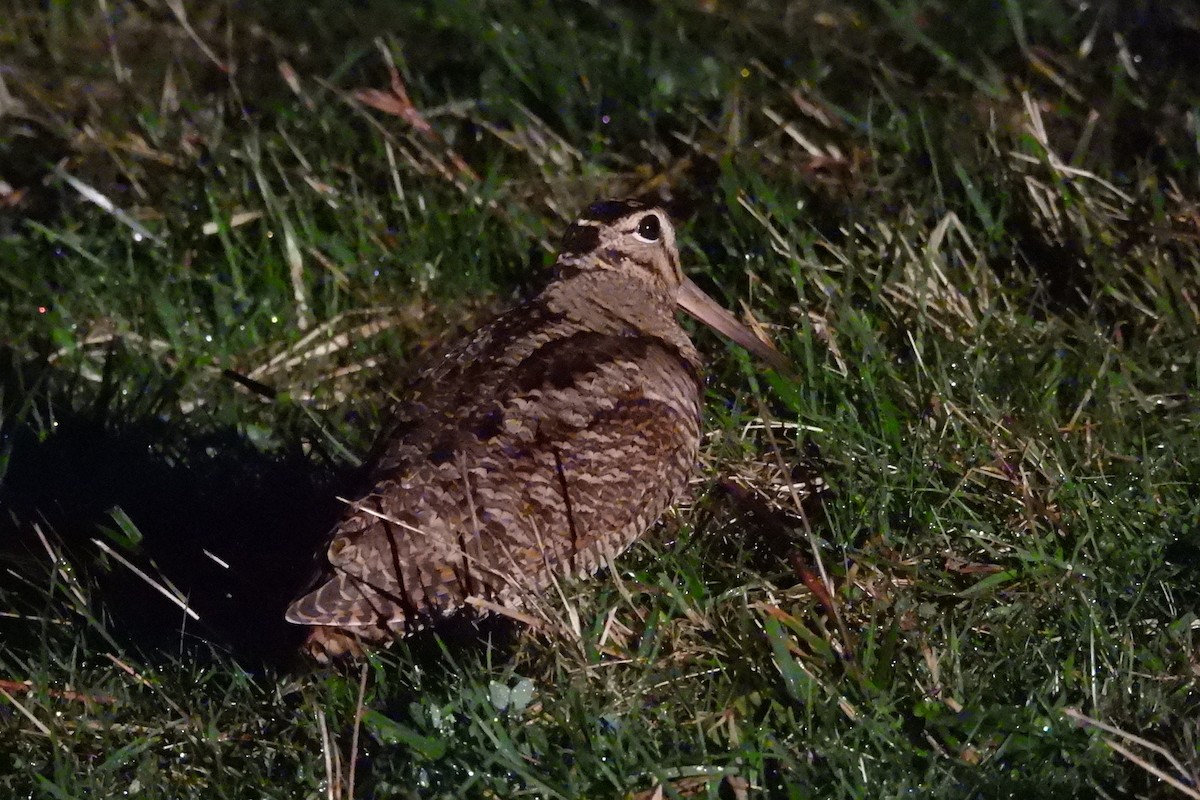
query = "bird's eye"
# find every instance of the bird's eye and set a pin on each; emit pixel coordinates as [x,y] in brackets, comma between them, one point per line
[650,228]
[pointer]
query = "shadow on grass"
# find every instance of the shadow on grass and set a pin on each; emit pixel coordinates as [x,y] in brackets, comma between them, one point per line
[188,495]
[235,529]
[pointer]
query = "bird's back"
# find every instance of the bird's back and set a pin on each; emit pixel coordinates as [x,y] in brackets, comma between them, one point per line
[543,444]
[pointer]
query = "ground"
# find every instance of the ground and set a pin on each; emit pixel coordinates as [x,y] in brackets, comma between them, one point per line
[225,238]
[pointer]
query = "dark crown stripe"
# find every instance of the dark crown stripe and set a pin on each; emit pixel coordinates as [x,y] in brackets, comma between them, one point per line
[580,239]
[609,211]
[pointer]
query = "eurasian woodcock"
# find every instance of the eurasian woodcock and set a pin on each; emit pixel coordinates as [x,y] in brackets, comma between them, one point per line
[541,445]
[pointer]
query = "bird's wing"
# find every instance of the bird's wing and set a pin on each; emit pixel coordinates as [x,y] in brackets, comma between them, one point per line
[582,449]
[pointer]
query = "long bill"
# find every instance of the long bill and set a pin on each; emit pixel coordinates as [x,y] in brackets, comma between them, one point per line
[695,302]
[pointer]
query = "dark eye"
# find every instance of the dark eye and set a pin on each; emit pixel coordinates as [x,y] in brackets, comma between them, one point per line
[650,228]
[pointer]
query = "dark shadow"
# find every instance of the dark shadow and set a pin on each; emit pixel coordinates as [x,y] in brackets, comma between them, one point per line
[238,531]
[190,495]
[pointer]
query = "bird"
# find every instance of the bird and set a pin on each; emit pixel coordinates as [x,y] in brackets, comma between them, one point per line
[540,446]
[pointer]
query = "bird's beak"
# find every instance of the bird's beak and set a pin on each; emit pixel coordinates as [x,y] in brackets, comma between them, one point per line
[695,302]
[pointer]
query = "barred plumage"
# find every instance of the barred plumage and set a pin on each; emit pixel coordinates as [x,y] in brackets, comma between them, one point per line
[543,444]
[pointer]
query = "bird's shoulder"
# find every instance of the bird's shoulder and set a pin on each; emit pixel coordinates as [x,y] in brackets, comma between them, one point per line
[530,366]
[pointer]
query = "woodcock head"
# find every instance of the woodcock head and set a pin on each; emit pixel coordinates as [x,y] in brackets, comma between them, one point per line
[542,444]
[637,239]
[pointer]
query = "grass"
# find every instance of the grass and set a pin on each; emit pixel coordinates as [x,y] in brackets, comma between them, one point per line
[974,229]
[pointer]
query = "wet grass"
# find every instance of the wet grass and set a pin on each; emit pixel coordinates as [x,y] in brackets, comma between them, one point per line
[974,231]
